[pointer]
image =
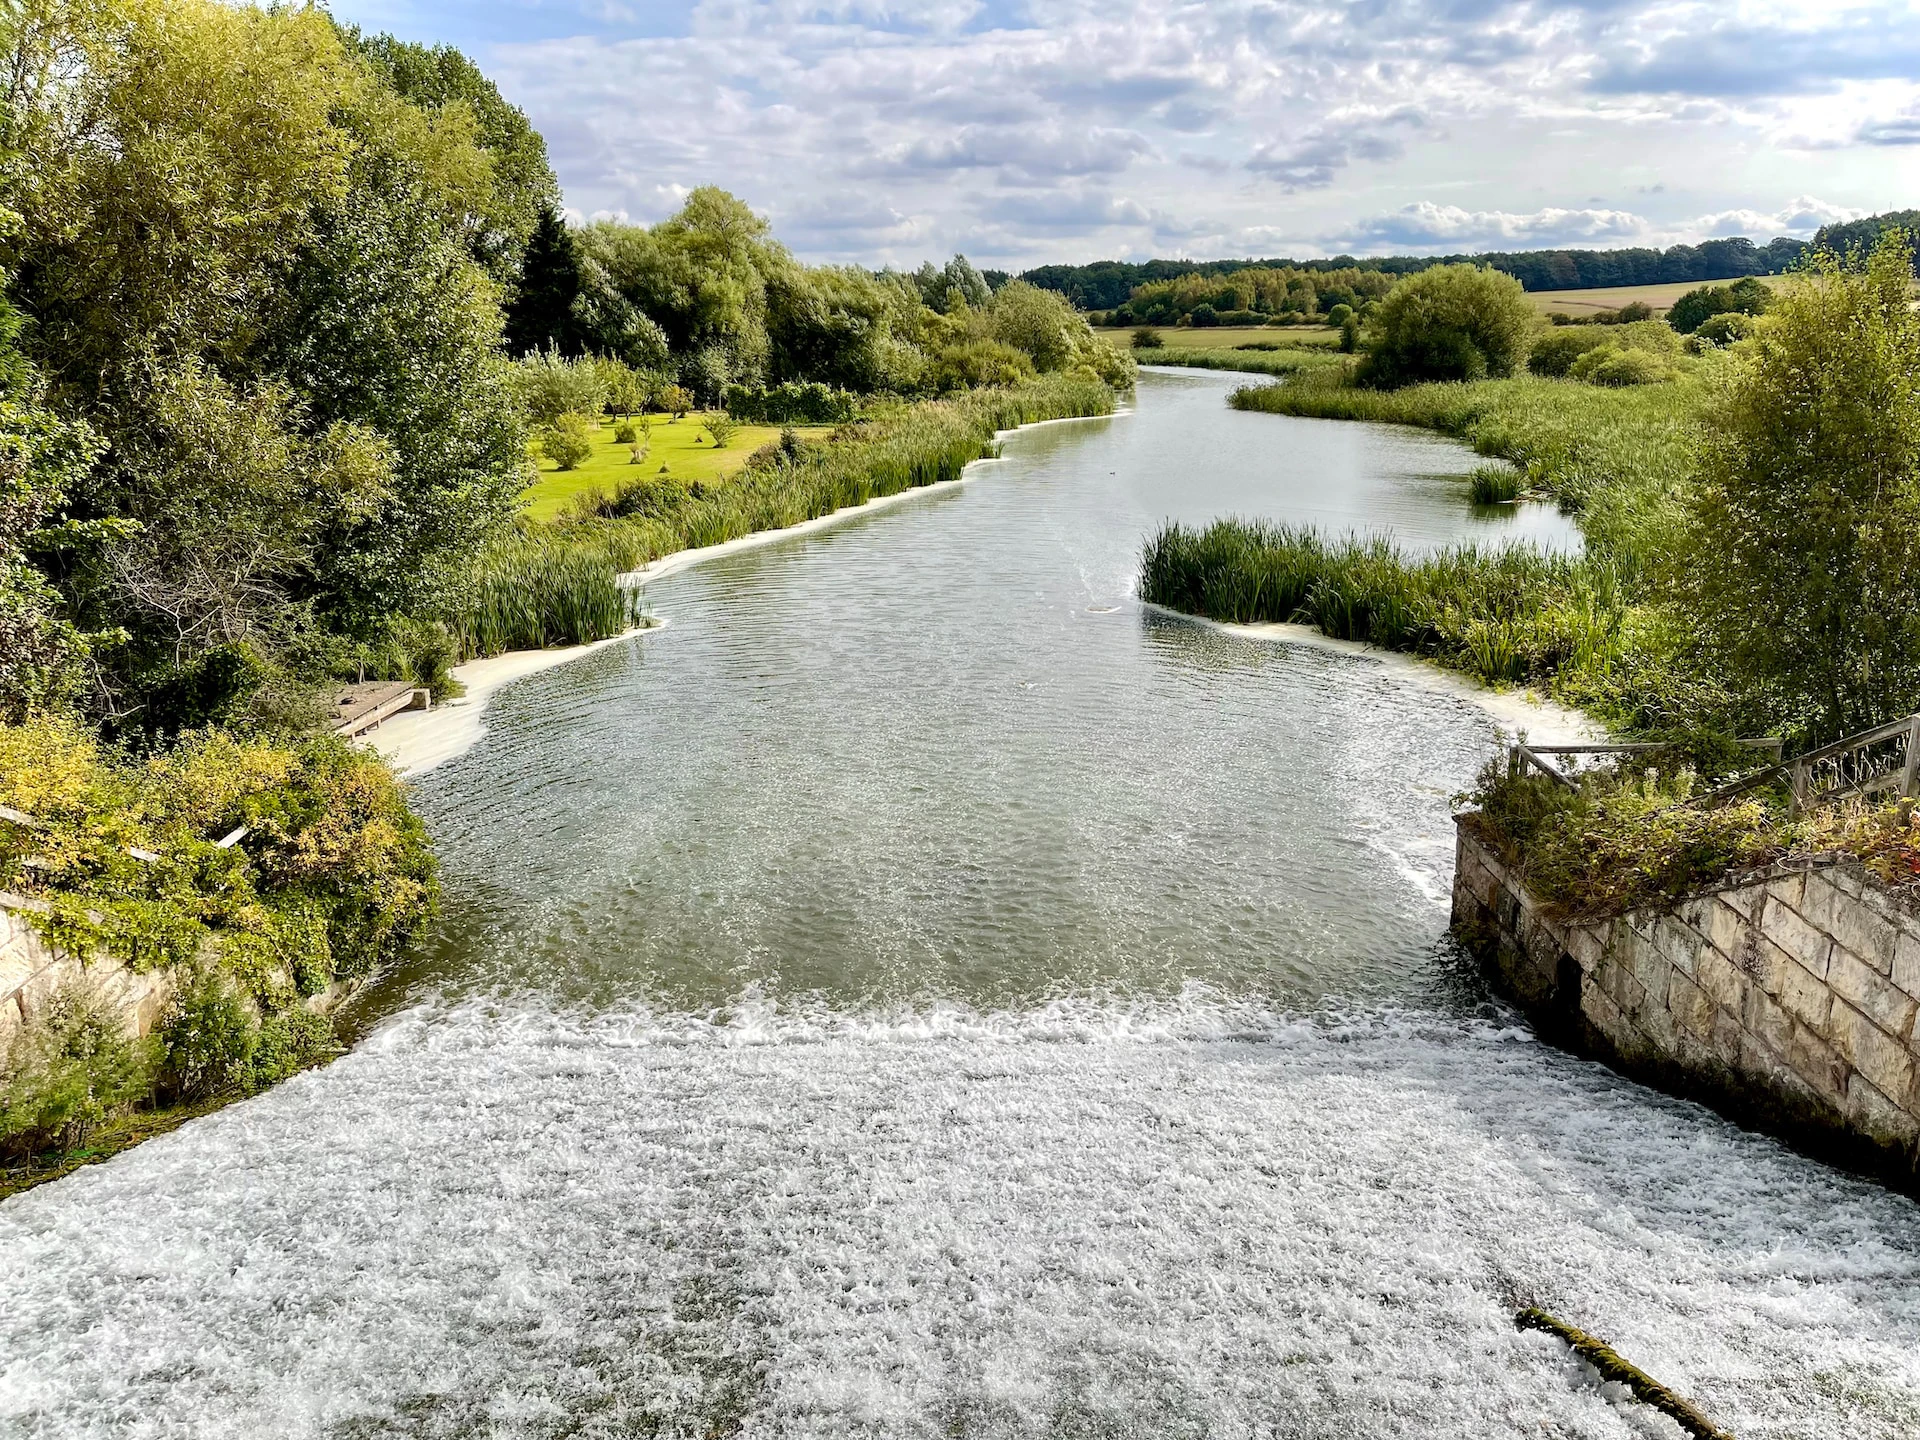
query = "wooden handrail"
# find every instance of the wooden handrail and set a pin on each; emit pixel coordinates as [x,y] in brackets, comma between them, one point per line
[1794,771]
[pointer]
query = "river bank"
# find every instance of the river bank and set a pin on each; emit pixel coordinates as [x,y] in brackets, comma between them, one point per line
[417,741]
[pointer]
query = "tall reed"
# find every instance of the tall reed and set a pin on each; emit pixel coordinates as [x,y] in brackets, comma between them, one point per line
[1504,614]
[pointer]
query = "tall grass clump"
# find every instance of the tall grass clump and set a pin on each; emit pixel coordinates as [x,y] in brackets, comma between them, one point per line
[1275,362]
[531,590]
[1494,485]
[1504,614]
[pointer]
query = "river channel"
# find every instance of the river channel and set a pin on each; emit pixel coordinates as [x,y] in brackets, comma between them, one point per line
[920,991]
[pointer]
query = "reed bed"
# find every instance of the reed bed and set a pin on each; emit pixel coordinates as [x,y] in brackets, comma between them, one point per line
[1507,615]
[1258,362]
[556,584]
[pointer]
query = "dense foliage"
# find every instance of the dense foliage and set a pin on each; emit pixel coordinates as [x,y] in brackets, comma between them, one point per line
[1803,553]
[1250,296]
[331,878]
[1697,306]
[1453,322]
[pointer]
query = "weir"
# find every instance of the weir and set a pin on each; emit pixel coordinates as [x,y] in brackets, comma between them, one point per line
[922,992]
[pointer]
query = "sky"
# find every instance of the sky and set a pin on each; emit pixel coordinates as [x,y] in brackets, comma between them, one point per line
[1022,132]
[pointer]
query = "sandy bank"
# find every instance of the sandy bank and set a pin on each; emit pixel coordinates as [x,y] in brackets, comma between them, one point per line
[1545,721]
[417,740]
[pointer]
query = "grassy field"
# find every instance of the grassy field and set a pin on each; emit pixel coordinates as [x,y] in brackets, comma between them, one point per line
[1582,303]
[1224,337]
[683,446]
[1258,362]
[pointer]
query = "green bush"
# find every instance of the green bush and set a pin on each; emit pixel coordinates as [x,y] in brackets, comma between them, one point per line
[1147,338]
[1553,353]
[1611,365]
[721,429]
[215,1040]
[548,386]
[1449,322]
[63,1074]
[1725,328]
[625,434]
[1339,314]
[568,441]
[793,403]
[1697,306]
[977,363]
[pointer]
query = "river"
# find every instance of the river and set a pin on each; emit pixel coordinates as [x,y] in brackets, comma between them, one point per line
[920,991]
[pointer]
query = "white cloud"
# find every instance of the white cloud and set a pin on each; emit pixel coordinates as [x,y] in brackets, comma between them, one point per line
[1424,225]
[1066,129]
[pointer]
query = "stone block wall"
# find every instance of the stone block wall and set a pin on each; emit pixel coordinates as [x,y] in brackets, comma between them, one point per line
[32,971]
[1786,998]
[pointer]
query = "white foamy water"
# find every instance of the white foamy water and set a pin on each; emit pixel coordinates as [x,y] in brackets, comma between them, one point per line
[1183,1219]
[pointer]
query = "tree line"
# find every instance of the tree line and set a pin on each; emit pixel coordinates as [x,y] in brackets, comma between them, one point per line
[1109,284]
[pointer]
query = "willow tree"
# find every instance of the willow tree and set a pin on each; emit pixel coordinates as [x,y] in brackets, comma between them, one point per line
[1804,551]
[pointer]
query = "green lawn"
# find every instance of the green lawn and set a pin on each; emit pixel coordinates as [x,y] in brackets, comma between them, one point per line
[683,446]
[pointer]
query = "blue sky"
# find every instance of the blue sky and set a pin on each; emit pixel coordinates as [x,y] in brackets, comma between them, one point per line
[894,130]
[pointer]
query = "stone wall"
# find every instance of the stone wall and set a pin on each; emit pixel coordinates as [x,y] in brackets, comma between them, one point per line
[32,970]
[1784,998]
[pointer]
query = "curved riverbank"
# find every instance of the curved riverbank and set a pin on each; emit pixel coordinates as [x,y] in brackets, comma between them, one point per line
[416,741]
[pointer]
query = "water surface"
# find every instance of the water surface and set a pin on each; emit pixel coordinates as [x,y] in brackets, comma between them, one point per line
[920,992]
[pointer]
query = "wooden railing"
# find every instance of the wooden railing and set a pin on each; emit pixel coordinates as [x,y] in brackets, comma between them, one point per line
[1884,758]
[27,822]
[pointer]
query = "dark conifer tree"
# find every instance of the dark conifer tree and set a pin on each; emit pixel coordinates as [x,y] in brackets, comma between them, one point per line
[541,314]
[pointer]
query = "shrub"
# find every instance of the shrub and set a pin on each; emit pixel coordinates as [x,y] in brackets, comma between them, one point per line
[214,1039]
[625,434]
[1203,316]
[1147,338]
[1350,335]
[675,400]
[1449,322]
[567,442]
[1553,353]
[1697,306]
[1339,314]
[721,429]
[795,402]
[70,1069]
[1726,327]
[1634,310]
[547,385]
[638,454]
[1612,365]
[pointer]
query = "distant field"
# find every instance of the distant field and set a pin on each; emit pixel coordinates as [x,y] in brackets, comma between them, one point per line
[672,444]
[1661,297]
[1226,337]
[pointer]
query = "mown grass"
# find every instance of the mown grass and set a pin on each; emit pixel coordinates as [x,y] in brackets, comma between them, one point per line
[556,583]
[682,445]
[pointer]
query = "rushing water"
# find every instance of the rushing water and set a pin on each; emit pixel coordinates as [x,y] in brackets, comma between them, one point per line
[920,992]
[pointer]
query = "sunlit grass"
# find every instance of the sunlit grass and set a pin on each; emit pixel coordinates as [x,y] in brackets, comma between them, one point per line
[683,446]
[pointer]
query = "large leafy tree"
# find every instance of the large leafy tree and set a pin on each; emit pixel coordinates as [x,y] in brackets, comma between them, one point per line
[1805,545]
[254,268]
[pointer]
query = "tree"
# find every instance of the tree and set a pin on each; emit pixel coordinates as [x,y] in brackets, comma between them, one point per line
[541,314]
[1451,322]
[522,188]
[1804,548]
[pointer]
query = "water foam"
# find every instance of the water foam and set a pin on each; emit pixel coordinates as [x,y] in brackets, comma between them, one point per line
[1177,1218]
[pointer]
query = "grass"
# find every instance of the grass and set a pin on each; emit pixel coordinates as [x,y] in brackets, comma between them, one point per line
[1582,303]
[681,445]
[555,583]
[1504,614]
[1258,362]
[1618,458]
[1225,337]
